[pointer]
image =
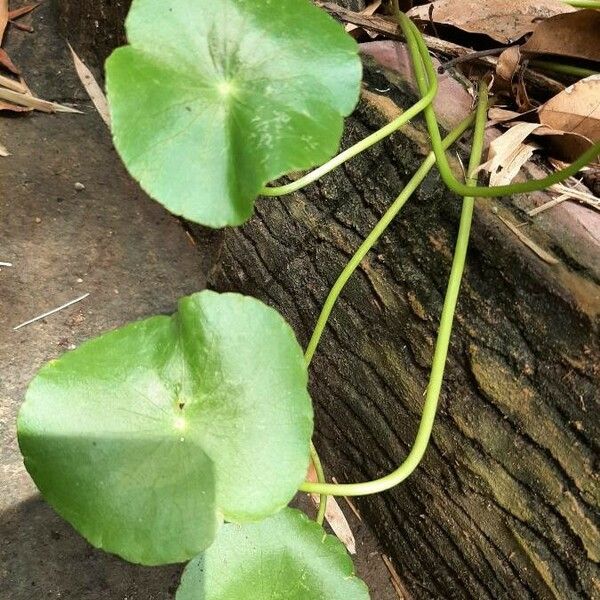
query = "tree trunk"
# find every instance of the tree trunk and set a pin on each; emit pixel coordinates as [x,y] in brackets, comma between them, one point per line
[505,502]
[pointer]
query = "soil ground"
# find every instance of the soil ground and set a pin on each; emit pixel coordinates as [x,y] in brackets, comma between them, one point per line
[133,258]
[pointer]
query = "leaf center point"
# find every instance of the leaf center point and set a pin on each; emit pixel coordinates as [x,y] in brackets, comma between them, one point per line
[180,424]
[226,88]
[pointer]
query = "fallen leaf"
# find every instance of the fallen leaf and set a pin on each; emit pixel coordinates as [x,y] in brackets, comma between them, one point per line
[503,20]
[334,516]
[524,104]
[12,84]
[3,18]
[576,109]
[508,63]
[388,27]
[91,87]
[564,145]
[502,115]
[575,35]
[508,153]
[24,10]
[7,63]
[26,100]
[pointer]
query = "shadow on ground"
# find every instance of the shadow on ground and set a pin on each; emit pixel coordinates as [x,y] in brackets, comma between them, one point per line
[41,556]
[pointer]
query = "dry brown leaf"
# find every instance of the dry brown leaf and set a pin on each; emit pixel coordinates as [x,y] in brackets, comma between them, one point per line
[334,516]
[508,153]
[388,27]
[503,20]
[576,109]
[564,145]
[26,100]
[497,115]
[510,78]
[522,100]
[91,87]
[3,18]
[501,115]
[8,106]
[7,63]
[576,35]
[508,63]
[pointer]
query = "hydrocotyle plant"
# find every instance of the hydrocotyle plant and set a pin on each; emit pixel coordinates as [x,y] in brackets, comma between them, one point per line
[184,438]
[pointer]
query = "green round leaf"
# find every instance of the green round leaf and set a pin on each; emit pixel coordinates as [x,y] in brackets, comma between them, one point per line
[285,557]
[147,437]
[212,99]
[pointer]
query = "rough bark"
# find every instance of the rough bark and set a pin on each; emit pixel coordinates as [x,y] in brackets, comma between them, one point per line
[505,502]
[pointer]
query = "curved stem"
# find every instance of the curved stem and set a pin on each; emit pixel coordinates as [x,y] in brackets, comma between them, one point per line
[375,234]
[441,347]
[427,78]
[318,465]
[371,140]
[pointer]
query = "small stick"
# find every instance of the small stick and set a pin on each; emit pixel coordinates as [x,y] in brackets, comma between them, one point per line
[402,592]
[5,264]
[540,252]
[349,502]
[470,56]
[547,205]
[51,312]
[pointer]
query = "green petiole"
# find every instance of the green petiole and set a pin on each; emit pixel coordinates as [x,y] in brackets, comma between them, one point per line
[426,78]
[427,83]
[371,140]
[374,236]
[583,3]
[441,348]
[555,67]
[355,261]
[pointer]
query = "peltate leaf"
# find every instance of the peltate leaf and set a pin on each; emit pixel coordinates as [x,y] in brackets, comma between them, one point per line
[147,437]
[285,557]
[213,99]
